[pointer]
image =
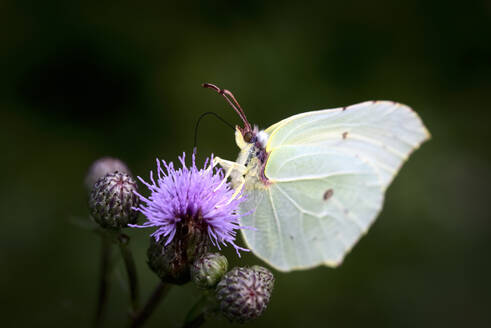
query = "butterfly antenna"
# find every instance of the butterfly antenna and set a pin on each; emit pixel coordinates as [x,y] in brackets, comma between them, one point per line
[232,102]
[199,120]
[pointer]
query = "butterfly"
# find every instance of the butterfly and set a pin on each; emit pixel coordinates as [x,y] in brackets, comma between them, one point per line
[315,182]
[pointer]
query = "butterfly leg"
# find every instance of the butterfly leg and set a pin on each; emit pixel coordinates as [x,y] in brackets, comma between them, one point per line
[227,166]
[231,168]
[238,189]
[236,170]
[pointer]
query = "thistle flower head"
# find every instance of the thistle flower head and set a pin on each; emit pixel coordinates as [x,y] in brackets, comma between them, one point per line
[113,199]
[187,199]
[244,293]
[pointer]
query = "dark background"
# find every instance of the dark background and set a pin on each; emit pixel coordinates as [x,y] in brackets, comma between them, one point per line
[80,80]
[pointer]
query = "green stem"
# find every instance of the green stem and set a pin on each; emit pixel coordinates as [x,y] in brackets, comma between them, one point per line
[103,280]
[129,263]
[196,321]
[205,306]
[158,294]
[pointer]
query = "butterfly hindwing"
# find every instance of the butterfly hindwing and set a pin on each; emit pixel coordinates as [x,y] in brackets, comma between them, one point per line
[307,216]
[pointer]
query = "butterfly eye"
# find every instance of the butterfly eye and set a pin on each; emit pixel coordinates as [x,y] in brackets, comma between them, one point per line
[248,136]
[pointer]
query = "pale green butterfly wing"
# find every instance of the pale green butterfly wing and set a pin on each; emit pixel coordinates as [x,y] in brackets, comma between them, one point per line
[312,217]
[383,133]
[327,187]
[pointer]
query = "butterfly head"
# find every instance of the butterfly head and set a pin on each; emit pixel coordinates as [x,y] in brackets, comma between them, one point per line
[240,139]
[250,137]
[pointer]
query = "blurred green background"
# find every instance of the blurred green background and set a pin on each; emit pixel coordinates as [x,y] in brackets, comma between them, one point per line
[81,80]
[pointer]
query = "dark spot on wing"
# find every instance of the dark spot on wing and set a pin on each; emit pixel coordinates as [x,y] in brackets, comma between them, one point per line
[328,194]
[345,134]
[344,108]
[291,237]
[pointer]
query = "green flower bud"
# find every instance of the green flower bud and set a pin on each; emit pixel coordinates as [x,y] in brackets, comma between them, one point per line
[244,293]
[172,262]
[103,166]
[112,200]
[207,270]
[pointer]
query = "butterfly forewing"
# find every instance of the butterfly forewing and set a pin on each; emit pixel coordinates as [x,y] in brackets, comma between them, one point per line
[383,133]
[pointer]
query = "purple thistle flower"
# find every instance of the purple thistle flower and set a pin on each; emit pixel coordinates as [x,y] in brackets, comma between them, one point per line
[187,196]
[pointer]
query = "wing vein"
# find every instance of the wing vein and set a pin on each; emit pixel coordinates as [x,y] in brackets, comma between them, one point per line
[294,203]
[316,177]
[277,220]
[380,144]
[303,124]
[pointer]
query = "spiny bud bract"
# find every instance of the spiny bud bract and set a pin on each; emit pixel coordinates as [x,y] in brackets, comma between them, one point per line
[207,270]
[171,261]
[265,275]
[103,166]
[244,293]
[112,200]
